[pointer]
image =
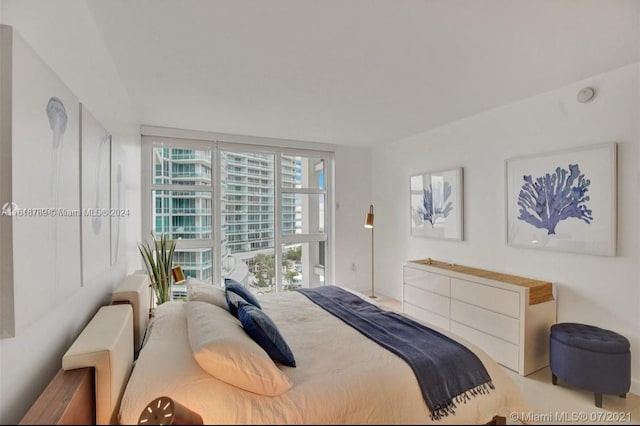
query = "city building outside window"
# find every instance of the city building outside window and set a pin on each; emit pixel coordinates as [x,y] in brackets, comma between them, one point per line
[258,214]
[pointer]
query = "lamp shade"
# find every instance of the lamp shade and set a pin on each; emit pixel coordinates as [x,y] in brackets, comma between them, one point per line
[166,411]
[178,274]
[368,222]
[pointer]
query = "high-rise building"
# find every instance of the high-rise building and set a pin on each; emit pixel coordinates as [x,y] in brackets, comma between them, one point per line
[246,202]
[185,214]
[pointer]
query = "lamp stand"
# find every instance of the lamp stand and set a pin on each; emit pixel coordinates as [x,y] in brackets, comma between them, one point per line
[373,293]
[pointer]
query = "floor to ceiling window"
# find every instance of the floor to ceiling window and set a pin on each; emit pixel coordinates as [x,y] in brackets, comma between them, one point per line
[304,237]
[255,213]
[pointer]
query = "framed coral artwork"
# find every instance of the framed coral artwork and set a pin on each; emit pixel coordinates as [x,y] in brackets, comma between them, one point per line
[436,204]
[563,200]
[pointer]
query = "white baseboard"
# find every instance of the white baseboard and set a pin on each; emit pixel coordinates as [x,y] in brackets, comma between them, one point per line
[635,386]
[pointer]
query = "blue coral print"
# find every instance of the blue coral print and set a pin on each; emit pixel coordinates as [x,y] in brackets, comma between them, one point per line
[552,198]
[435,205]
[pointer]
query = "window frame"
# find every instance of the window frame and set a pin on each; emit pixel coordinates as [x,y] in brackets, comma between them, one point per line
[169,138]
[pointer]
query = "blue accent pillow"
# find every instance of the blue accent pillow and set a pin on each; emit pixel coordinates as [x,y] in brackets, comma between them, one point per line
[265,333]
[234,293]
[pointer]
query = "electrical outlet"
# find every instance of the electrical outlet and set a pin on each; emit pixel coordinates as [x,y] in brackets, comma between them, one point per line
[353,266]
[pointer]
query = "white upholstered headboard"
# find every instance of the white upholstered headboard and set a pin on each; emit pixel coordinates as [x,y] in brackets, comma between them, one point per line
[134,290]
[105,344]
[97,366]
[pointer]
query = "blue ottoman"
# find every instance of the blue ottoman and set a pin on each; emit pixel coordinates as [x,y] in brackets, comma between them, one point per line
[591,358]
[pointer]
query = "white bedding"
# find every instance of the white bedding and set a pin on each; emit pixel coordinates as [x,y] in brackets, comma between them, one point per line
[341,376]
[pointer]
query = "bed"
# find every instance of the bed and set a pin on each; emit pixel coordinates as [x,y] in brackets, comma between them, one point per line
[340,377]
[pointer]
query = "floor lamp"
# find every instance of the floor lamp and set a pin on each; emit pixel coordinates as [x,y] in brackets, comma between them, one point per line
[368,223]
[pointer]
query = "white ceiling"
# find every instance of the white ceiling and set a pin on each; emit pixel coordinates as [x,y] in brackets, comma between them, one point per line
[355,72]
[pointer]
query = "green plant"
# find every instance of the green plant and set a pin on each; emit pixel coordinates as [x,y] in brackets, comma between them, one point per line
[159,260]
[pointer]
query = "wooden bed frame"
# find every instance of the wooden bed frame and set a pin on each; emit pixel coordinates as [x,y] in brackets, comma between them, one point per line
[70,398]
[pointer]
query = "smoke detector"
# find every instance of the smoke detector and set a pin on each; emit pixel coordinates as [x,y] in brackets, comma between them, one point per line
[586,95]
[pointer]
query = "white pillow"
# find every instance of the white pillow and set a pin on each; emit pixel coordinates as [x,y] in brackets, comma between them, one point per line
[200,291]
[224,350]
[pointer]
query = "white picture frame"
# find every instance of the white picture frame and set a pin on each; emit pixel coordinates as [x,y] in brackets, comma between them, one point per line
[436,204]
[96,197]
[563,200]
[40,250]
[118,219]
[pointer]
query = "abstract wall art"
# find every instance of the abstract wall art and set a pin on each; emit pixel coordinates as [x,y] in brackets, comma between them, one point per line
[96,197]
[118,219]
[436,204]
[564,200]
[39,144]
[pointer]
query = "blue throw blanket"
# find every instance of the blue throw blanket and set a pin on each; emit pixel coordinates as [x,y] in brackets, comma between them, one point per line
[448,372]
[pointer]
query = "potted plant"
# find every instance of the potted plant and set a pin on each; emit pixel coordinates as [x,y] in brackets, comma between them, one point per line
[159,261]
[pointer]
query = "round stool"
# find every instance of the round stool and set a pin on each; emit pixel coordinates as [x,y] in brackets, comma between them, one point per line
[591,358]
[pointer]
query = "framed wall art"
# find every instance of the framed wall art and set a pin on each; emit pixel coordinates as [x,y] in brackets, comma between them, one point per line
[436,204]
[117,198]
[96,197]
[563,200]
[40,150]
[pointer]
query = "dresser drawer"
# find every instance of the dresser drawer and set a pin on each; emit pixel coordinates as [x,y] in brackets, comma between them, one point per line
[426,316]
[497,325]
[503,352]
[435,283]
[427,300]
[494,299]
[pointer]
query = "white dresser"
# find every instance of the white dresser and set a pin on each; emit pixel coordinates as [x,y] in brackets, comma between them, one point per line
[507,316]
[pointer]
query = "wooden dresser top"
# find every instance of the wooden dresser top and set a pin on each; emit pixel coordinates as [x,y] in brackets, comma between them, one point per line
[539,291]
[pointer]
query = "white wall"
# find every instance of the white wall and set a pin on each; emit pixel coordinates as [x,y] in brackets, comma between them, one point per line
[598,290]
[353,197]
[64,36]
